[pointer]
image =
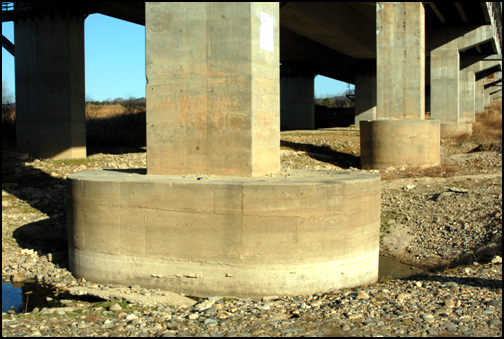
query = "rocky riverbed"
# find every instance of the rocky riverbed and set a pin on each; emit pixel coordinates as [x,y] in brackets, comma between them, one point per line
[444,221]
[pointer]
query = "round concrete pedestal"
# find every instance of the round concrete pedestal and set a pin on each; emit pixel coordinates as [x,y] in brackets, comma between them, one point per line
[453,130]
[394,143]
[297,233]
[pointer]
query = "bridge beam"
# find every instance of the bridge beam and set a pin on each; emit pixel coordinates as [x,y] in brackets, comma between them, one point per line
[50,118]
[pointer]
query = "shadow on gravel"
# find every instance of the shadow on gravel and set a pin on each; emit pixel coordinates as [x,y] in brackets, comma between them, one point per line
[454,282]
[45,194]
[325,154]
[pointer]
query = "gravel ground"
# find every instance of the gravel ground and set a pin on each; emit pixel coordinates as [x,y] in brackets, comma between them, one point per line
[444,221]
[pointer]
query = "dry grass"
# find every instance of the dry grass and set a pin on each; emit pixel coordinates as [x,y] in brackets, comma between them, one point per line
[94,111]
[488,125]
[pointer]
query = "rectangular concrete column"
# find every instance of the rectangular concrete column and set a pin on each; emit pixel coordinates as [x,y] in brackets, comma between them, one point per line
[213,101]
[444,89]
[297,98]
[400,50]
[467,93]
[365,91]
[50,118]
[479,100]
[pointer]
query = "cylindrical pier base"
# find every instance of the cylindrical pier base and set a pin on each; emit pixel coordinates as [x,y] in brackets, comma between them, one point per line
[297,233]
[453,130]
[393,143]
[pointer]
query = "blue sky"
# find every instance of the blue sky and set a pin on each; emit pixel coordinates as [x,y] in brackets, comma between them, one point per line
[115,60]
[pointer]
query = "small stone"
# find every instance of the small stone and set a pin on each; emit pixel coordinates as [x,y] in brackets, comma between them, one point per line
[269,298]
[362,295]
[494,323]
[131,317]
[497,260]
[450,303]
[409,187]
[17,277]
[428,318]
[211,322]
[401,297]
[116,327]
[115,307]
[193,316]
[465,318]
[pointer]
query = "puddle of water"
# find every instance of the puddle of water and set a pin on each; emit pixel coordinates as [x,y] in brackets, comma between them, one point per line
[12,297]
[389,267]
[19,297]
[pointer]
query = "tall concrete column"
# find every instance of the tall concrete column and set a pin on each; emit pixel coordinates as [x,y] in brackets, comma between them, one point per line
[445,79]
[467,96]
[479,100]
[400,136]
[400,50]
[213,88]
[297,98]
[365,91]
[50,120]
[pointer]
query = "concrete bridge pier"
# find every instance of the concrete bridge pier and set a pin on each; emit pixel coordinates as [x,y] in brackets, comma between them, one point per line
[479,93]
[214,215]
[452,83]
[365,91]
[467,97]
[400,135]
[297,97]
[50,118]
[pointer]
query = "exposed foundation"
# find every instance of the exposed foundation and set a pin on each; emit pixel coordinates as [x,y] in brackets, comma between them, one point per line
[397,143]
[453,130]
[297,233]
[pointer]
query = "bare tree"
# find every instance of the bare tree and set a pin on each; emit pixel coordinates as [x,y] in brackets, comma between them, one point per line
[7,97]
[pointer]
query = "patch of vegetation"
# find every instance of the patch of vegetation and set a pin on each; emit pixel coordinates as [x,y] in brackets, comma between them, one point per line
[386,220]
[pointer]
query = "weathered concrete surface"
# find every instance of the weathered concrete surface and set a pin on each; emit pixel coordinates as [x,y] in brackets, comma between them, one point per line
[400,60]
[365,90]
[396,143]
[299,232]
[50,120]
[452,129]
[213,88]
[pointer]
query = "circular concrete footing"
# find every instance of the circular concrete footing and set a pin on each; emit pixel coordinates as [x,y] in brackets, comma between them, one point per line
[453,130]
[295,233]
[394,143]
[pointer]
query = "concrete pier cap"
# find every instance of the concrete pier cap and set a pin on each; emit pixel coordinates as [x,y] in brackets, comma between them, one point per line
[399,143]
[213,214]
